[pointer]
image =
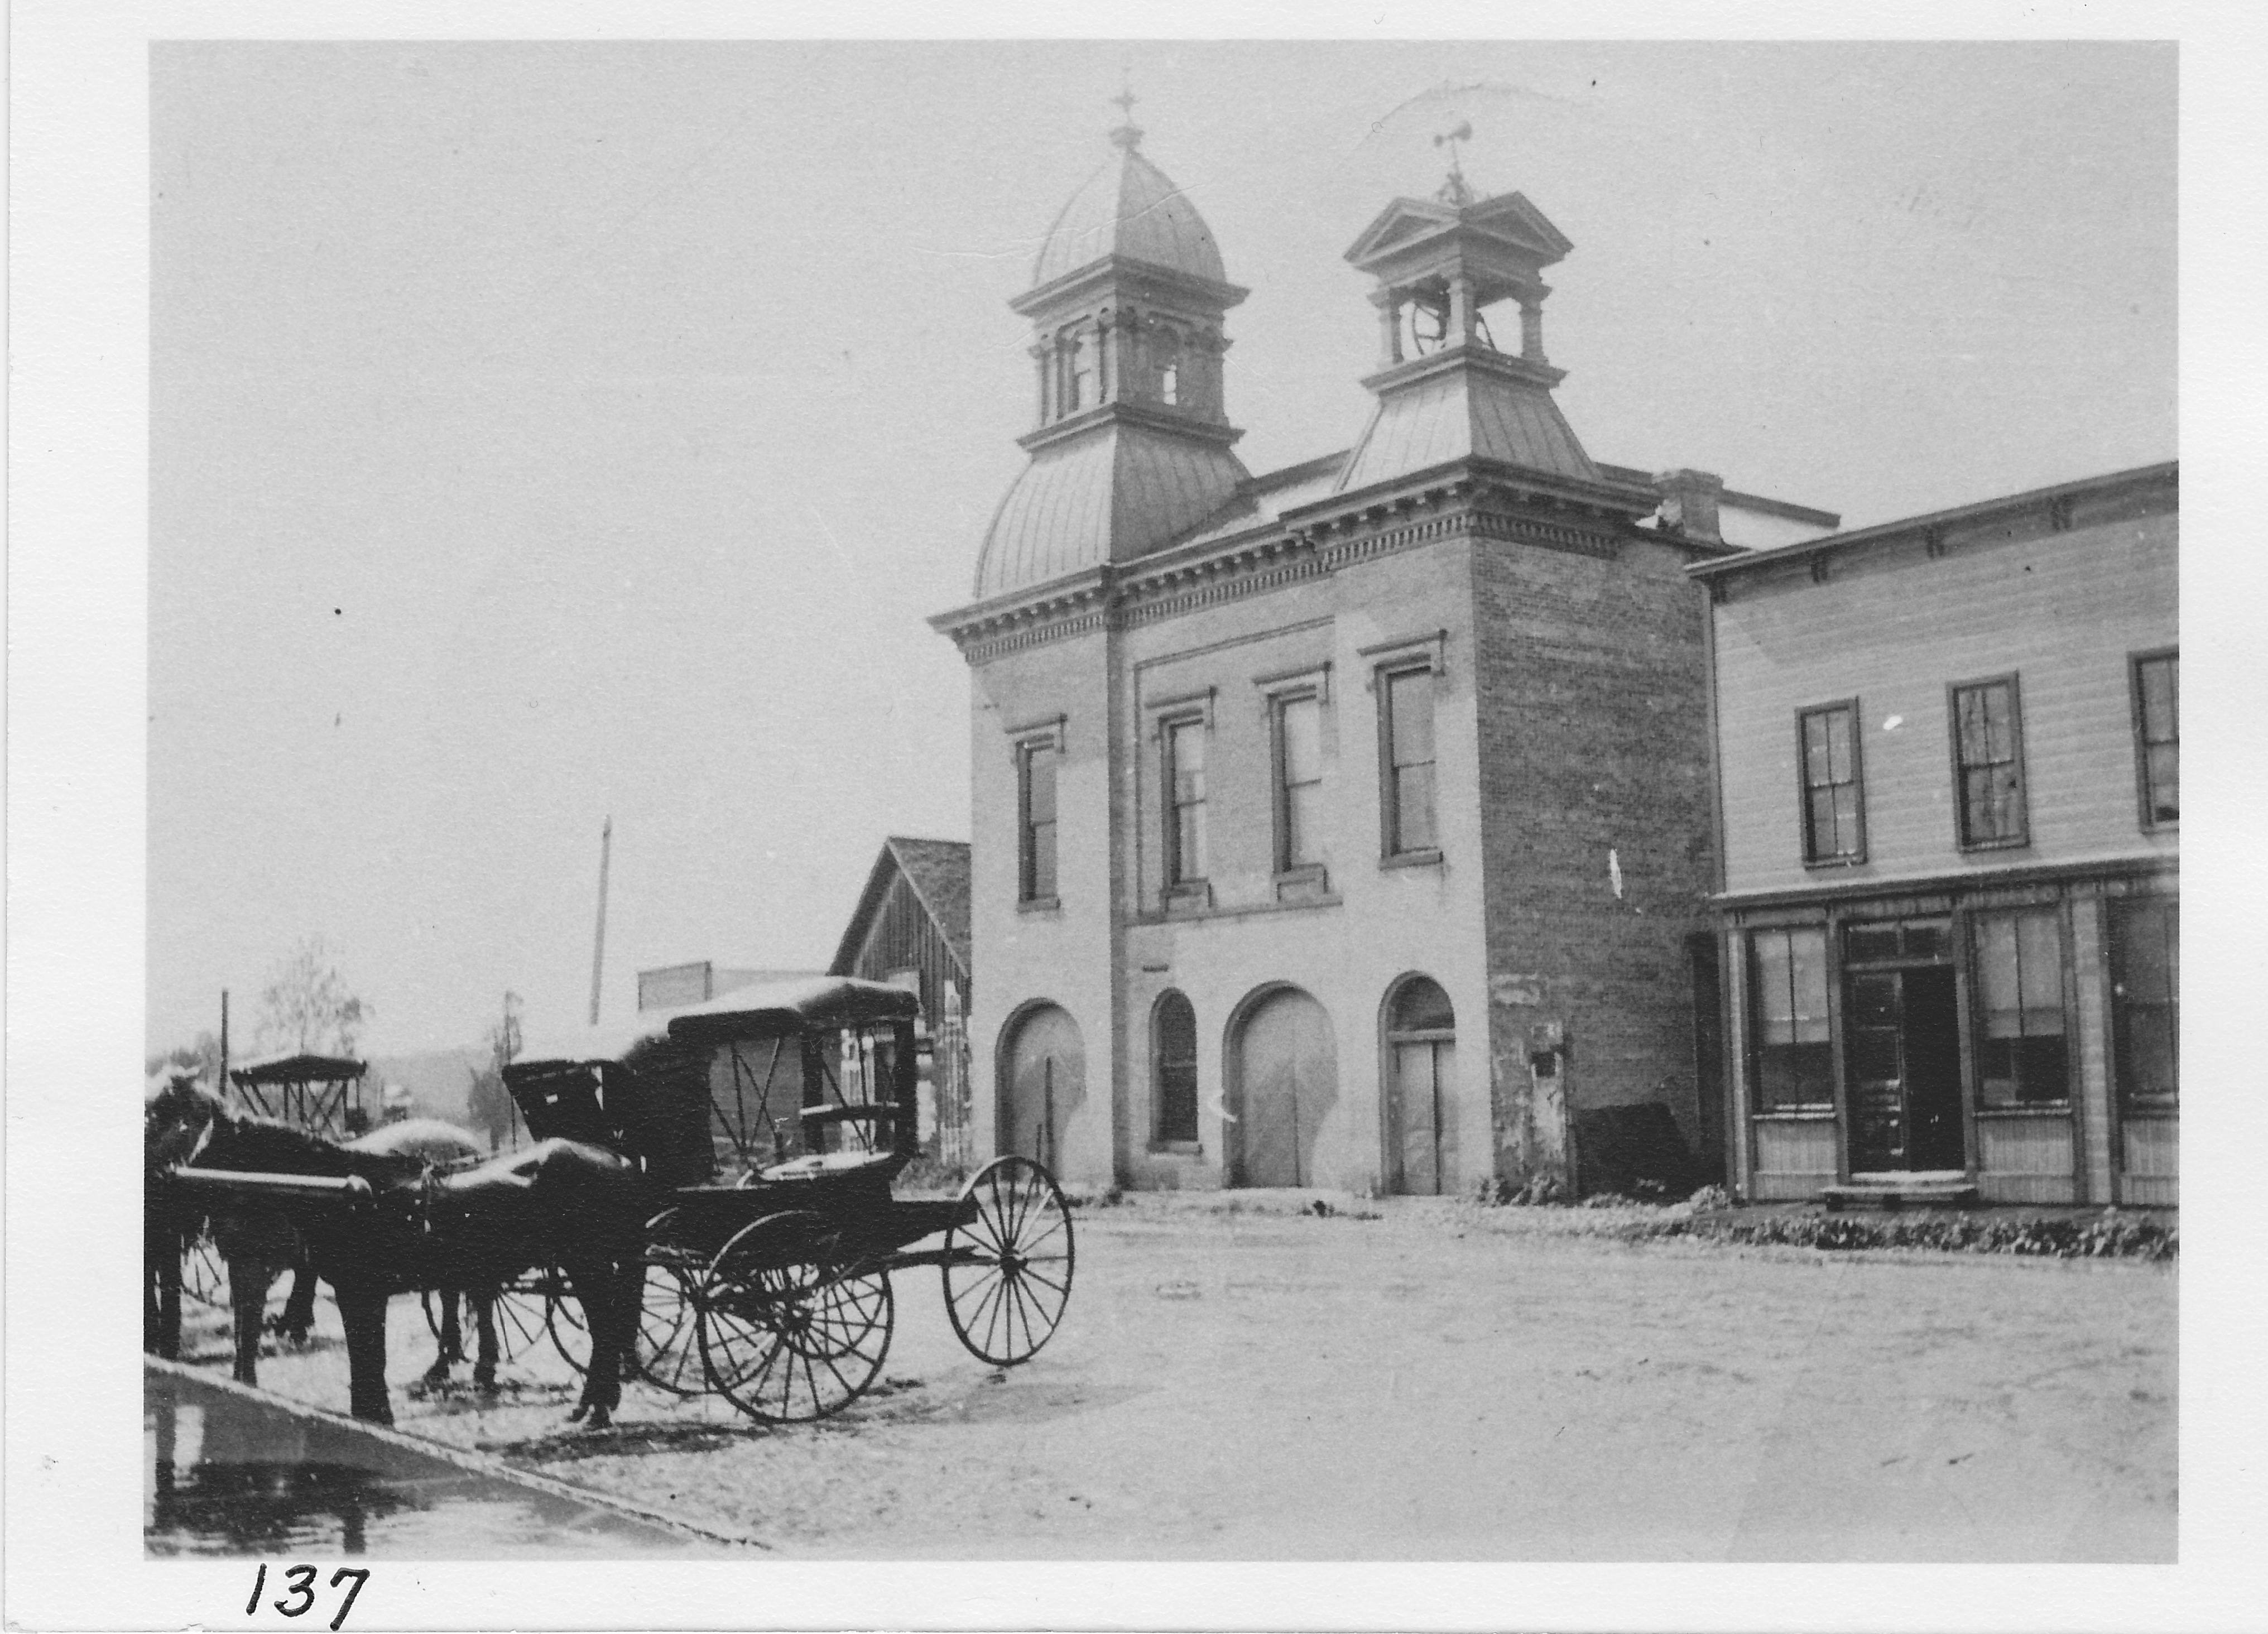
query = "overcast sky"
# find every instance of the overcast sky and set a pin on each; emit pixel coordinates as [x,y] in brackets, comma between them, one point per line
[546,432]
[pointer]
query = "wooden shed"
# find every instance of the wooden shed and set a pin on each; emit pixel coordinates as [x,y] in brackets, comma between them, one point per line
[912,922]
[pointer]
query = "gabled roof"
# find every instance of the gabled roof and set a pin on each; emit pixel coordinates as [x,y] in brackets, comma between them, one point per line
[938,871]
[1509,219]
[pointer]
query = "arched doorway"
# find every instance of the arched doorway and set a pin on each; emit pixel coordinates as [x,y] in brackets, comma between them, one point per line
[1287,1082]
[1043,1084]
[1421,1089]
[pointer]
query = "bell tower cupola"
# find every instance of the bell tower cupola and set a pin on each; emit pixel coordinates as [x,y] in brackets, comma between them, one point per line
[1460,292]
[1132,445]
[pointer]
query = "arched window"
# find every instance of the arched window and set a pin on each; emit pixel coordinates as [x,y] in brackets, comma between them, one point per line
[1165,364]
[1421,1110]
[1086,357]
[1173,1067]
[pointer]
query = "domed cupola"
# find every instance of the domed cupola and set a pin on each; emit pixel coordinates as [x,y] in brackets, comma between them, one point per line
[1133,445]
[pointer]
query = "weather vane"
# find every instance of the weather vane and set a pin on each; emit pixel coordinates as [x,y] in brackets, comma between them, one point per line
[1453,191]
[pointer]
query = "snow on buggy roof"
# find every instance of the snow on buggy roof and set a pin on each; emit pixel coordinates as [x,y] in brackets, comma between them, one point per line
[606,1045]
[785,1008]
[297,1066]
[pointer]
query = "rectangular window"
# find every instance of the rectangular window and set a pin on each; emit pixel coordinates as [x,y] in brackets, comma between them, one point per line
[2145,990]
[1791,1060]
[2157,737]
[1988,753]
[2022,1060]
[1298,784]
[1408,723]
[1833,811]
[1184,783]
[1035,801]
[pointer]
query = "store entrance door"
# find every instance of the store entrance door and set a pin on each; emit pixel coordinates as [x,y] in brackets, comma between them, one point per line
[1904,1062]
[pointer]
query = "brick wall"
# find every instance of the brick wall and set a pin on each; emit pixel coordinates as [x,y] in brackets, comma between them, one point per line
[1593,755]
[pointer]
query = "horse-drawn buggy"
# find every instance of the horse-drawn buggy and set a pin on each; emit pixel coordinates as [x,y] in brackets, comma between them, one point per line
[710,1204]
[774,1125]
[320,1094]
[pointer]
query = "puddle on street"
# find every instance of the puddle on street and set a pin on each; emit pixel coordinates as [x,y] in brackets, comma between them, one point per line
[226,1475]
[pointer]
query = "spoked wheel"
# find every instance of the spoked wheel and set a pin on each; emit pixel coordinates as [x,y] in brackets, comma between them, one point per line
[1008,1262]
[563,1319]
[205,1277]
[520,1310]
[788,1333]
[668,1351]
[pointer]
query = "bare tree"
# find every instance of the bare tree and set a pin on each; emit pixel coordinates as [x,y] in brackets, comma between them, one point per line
[307,1006]
[488,1103]
[201,1058]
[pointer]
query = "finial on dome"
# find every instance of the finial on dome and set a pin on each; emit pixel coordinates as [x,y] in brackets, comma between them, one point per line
[1127,134]
[1453,191]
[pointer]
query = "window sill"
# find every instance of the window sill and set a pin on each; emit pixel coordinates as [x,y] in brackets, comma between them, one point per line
[1795,1114]
[2037,1109]
[2174,826]
[1828,864]
[1412,859]
[2165,1113]
[1193,915]
[1968,847]
[1177,1148]
[1303,884]
[1039,905]
[1190,896]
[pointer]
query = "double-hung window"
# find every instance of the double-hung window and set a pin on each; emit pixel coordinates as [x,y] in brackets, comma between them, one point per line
[1834,800]
[2157,737]
[1406,761]
[1035,820]
[1184,748]
[1299,756]
[2023,1059]
[1988,755]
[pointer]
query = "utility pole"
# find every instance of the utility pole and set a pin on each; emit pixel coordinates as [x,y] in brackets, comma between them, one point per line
[598,941]
[221,1088]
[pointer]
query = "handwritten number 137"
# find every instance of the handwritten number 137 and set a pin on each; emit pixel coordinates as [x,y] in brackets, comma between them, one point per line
[302,1579]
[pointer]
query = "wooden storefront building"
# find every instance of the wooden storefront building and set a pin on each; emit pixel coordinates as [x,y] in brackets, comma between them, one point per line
[1947,767]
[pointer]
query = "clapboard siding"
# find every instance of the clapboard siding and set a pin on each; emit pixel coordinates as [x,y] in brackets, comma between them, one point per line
[2026,1159]
[1794,1159]
[905,936]
[2062,610]
[2152,1148]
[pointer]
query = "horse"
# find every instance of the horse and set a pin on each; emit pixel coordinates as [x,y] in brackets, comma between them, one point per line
[442,1146]
[400,1226]
[171,1220]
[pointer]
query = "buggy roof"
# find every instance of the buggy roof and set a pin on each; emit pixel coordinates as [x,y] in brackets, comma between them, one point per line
[601,1046]
[784,1007]
[297,1066]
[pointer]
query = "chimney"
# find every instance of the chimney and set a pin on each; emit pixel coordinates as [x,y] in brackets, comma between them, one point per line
[1689,503]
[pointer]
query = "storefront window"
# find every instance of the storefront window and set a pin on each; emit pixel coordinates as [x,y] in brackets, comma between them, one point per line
[1794,1064]
[2023,1059]
[2146,954]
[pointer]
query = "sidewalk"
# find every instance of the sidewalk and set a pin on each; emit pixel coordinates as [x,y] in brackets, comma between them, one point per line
[232,1471]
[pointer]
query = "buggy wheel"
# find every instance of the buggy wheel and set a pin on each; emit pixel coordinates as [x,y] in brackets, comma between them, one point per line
[788,1333]
[668,1350]
[520,1312]
[1008,1262]
[205,1277]
[568,1327]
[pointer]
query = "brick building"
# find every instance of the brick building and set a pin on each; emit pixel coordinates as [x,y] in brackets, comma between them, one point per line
[1346,824]
[1948,784]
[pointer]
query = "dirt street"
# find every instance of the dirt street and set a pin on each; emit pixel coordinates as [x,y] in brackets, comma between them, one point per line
[1438,1381]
